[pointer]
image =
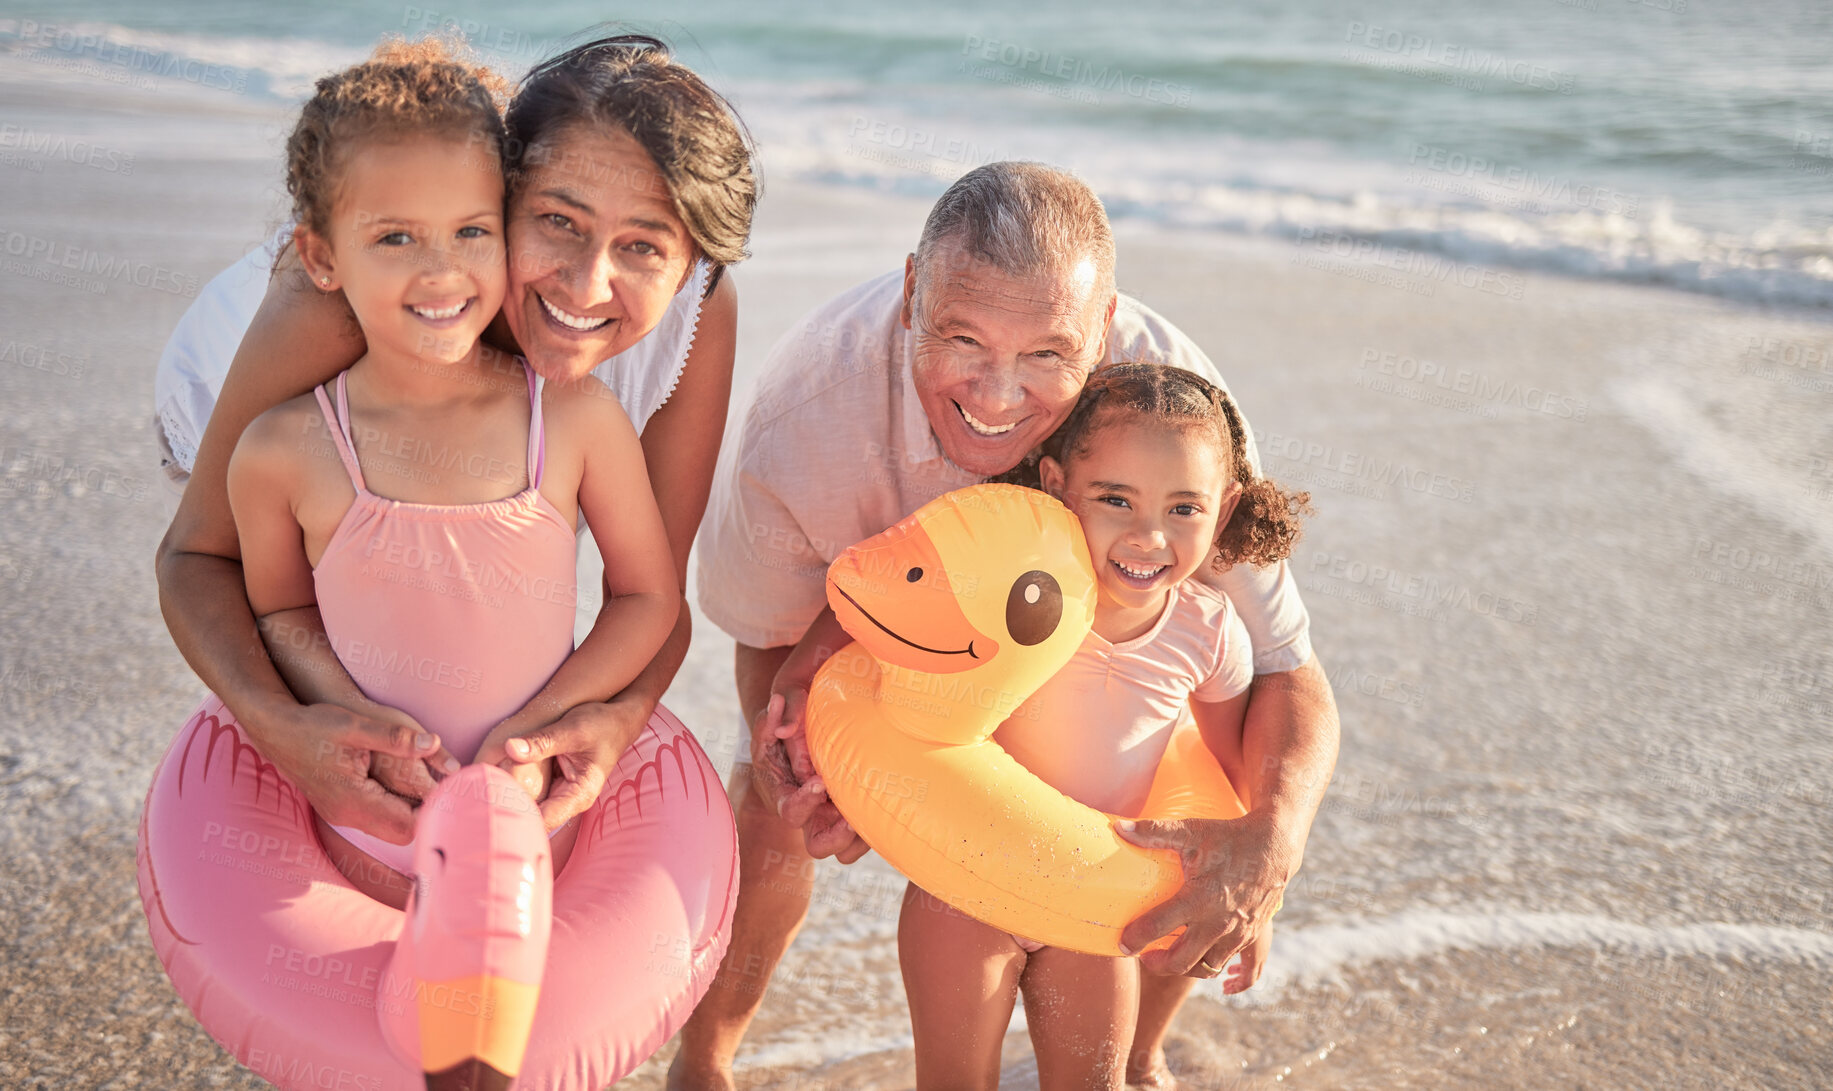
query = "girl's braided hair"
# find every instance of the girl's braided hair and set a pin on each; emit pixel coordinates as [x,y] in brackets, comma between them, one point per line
[1265,523]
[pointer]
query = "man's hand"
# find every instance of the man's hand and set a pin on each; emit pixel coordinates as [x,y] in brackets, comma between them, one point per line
[773,773]
[580,748]
[366,772]
[1235,875]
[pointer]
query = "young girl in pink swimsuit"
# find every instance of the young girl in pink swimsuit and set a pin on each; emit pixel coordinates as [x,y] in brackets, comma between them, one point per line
[1153,462]
[407,531]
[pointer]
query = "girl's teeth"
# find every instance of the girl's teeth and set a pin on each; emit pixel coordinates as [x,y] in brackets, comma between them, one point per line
[572,321]
[442,312]
[1139,573]
[983,428]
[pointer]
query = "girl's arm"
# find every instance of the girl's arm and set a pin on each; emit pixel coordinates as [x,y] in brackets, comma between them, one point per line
[299,338]
[680,447]
[642,598]
[1221,723]
[263,482]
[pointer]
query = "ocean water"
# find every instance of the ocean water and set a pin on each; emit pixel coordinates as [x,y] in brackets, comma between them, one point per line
[1668,141]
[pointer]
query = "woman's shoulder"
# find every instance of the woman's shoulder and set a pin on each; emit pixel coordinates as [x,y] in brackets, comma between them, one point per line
[587,405]
[644,376]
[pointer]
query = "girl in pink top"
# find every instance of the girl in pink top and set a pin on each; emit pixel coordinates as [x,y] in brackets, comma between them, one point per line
[407,535]
[1152,461]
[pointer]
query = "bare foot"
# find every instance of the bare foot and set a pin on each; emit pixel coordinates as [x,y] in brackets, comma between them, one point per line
[1149,1072]
[685,1075]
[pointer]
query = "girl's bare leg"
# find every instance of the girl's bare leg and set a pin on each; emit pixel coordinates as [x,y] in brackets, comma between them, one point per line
[390,887]
[365,872]
[1081,1010]
[1159,999]
[961,977]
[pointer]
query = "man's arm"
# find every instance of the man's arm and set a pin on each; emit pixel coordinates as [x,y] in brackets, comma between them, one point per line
[1289,744]
[1236,870]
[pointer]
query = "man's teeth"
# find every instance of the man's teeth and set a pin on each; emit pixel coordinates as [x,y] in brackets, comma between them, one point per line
[442,312]
[1139,573]
[982,427]
[572,321]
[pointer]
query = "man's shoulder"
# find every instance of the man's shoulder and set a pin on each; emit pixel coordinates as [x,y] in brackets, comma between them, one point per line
[854,339]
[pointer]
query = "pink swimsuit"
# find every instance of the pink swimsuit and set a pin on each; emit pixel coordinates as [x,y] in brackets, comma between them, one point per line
[456,614]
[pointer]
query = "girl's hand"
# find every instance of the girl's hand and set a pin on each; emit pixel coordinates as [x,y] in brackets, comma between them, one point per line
[569,758]
[535,777]
[410,777]
[1246,970]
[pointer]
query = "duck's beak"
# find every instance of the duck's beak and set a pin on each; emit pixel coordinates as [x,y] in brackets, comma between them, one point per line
[893,595]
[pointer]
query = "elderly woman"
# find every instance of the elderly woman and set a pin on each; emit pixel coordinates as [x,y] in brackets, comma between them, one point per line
[630,190]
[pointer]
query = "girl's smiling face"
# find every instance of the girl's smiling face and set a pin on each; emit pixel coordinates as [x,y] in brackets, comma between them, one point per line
[416,245]
[1150,496]
[596,251]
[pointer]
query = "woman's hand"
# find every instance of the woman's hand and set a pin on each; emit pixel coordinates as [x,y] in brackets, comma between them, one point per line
[568,759]
[365,772]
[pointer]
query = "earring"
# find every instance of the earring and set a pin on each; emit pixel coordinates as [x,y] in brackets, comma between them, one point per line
[324,282]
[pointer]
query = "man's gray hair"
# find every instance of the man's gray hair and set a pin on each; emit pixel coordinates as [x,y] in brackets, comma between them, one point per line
[1024,219]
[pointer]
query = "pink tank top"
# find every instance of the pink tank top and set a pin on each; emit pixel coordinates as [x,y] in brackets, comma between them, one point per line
[456,614]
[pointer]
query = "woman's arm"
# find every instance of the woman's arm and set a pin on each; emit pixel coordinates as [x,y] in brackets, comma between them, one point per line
[680,449]
[298,339]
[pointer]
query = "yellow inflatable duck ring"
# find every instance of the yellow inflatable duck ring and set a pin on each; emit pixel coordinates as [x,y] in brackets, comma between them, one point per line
[958,614]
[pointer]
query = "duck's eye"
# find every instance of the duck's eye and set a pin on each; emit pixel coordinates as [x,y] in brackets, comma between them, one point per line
[1034,607]
[914,575]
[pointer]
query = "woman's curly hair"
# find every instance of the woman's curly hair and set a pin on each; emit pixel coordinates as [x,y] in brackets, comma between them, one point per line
[427,86]
[1265,523]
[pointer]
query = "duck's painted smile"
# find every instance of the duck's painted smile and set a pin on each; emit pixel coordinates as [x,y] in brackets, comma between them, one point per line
[867,614]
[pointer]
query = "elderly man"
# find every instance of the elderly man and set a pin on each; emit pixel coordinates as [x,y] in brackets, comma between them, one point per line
[882,399]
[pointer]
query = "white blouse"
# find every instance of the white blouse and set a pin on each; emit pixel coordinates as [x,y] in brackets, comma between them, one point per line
[197,357]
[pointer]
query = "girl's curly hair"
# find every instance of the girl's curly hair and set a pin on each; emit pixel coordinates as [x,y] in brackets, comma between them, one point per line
[428,86]
[1265,523]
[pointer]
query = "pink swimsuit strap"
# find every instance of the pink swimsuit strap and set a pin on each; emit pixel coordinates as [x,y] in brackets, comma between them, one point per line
[346,447]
